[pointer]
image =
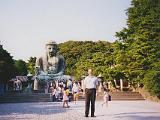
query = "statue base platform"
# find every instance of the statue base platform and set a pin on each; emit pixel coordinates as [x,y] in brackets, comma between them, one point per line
[50,77]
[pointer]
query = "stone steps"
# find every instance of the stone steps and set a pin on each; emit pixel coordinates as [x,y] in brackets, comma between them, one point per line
[119,96]
[42,97]
[23,97]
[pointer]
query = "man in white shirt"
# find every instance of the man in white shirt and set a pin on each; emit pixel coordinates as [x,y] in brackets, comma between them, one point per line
[90,84]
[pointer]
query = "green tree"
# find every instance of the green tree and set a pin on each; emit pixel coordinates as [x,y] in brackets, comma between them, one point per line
[141,40]
[21,67]
[31,65]
[80,55]
[7,69]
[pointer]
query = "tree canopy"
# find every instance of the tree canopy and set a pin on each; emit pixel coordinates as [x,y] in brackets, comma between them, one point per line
[140,44]
[21,67]
[31,65]
[7,68]
[80,55]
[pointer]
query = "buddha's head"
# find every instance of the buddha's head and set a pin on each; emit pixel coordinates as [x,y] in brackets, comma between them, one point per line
[51,48]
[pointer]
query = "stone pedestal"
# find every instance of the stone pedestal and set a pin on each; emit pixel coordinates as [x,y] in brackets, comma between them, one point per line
[46,90]
[35,85]
[121,84]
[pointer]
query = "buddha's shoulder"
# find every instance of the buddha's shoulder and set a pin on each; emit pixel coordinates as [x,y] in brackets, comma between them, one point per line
[41,59]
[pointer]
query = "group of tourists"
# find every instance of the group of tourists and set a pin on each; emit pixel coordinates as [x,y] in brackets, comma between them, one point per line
[66,92]
[17,85]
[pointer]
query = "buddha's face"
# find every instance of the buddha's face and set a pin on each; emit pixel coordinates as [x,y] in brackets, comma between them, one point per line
[51,50]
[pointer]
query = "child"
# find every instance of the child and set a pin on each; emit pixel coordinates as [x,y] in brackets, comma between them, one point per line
[65,98]
[105,98]
[53,94]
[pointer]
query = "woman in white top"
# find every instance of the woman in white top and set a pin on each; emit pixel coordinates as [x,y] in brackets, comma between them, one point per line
[75,92]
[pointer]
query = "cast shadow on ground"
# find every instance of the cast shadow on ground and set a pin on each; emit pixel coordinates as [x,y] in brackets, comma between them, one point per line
[32,108]
[139,116]
[134,116]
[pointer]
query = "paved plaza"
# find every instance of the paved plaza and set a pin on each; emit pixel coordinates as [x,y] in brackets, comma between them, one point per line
[117,110]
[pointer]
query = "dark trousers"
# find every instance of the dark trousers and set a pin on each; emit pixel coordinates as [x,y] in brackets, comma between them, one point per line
[90,96]
[53,98]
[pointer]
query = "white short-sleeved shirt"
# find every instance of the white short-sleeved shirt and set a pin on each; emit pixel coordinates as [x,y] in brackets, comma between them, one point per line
[90,82]
[75,88]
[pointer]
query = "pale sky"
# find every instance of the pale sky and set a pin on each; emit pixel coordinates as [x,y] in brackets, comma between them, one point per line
[26,25]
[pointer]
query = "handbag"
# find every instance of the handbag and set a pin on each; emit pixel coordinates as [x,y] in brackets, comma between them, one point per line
[109,98]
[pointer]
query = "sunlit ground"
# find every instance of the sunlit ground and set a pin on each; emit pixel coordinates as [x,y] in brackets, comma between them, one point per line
[117,110]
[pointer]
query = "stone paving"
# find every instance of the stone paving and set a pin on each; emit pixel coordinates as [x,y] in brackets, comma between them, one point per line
[117,110]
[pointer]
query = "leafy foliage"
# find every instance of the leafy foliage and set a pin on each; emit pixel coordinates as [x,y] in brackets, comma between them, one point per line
[21,68]
[80,55]
[141,41]
[31,65]
[7,69]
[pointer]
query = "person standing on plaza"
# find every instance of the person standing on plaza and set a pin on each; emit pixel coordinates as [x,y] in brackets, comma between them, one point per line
[90,84]
[65,97]
[105,98]
[53,93]
[75,92]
